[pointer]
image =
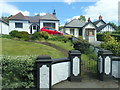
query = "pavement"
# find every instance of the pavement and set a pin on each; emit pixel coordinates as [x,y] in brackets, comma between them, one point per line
[89,83]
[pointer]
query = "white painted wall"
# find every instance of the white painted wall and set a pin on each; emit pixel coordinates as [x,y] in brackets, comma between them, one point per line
[60,72]
[26,26]
[116,69]
[56,24]
[107,28]
[4,28]
[99,24]
[89,38]
[76,31]
[67,30]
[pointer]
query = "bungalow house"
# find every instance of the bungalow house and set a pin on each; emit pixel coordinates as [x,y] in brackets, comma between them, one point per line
[32,24]
[102,26]
[88,29]
[4,27]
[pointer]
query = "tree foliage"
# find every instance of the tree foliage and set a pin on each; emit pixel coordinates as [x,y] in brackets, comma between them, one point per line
[6,18]
[111,44]
[82,18]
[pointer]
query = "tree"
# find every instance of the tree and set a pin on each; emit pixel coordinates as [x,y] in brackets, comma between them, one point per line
[114,25]
[6,18]
[82,18]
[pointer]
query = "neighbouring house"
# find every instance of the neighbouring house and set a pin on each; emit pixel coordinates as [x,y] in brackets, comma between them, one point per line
[32,24]
[87,30]
[4,27]
[80,28]
[102,26]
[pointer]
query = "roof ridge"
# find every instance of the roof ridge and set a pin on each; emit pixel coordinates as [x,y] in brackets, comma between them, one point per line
[18,14]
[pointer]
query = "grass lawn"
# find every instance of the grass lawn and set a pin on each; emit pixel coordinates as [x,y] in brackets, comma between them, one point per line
[63,45]
[19,48]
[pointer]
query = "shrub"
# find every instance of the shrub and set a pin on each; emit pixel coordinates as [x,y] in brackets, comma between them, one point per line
[14,33]
[18,72]
[20,34]
[111,44]
[81,45]
[80,37]
[24,35]
[40,35]
[45,35]
[7,36]
[36,36]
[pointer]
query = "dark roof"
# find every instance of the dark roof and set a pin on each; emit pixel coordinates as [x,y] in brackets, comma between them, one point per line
[89,23]
[3,21]
[75,23]
[20,16]
[49,16]
[33,19]
[103,26]
[96,22]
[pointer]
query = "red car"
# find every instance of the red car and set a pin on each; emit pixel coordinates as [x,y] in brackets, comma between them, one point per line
[51,30]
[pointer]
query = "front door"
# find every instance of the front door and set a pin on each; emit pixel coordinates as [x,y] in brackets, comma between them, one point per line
[34,28]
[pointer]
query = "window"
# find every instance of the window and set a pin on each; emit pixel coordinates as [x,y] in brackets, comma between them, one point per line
[34,27]
[90,32]
[72,31]
[49,24]
[18,25]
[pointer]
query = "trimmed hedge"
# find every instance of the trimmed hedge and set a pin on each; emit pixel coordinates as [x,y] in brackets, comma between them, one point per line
[18,72]
[100,37]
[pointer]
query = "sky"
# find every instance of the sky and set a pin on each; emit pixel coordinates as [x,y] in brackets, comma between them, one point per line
[66,9]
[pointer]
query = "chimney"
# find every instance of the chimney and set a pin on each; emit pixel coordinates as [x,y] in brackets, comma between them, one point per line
[100,17]
[54,13]
[89,19]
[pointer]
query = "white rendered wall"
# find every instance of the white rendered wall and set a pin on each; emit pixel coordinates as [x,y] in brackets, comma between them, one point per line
[60,72]
[107,28]
[76,31]
[67,30]
[56,24]
[116,69]
[4,28]
[89,38]
[99,24]
[26,26]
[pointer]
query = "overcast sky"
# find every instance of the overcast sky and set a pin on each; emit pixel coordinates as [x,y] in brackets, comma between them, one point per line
[66,9]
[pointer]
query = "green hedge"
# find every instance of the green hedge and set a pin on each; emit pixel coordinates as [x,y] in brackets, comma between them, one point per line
[18,72]
[100,37]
